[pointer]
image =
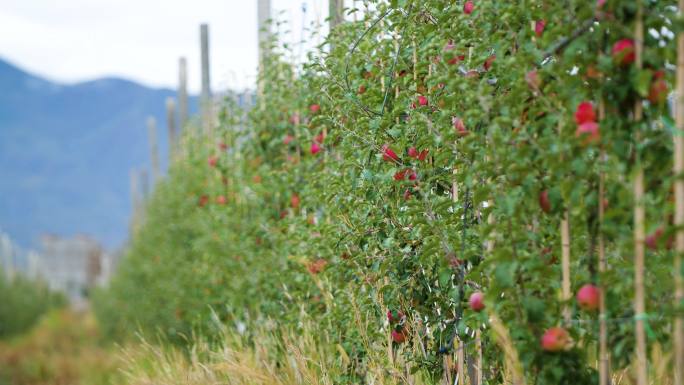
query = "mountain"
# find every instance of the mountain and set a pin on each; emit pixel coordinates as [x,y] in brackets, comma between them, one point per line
[66,152]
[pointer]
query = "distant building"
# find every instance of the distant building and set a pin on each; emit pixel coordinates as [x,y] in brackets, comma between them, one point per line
[71,265]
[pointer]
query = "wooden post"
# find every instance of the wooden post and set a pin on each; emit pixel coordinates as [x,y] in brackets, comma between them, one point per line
[206,103]
[154,148]
[604,355]
[336,13]
[135,200]
[171,126]
[639,225]
[678,332]
[263,15]
[182,93]
[565,265]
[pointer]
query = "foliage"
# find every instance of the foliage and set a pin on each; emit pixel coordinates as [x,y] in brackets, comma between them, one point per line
[63,348]
[24,301]
[321,219]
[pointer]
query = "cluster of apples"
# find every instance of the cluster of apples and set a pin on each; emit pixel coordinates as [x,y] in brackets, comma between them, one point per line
[213,162]
[408,173]
[556,338]
[397,321]
[587,127]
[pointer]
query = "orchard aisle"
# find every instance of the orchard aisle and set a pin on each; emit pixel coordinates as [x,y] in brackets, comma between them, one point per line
[64,348]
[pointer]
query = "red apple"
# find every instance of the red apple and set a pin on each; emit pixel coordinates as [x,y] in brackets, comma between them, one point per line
[653,240]
[294,201]
[585,113]
[555,339]
[288,139]
[459,126]
[316,266]
[456,59]
[532,79]
[314,108]
[539,27]
[221,200]
[423,154]
[399,336]
[212,161]
[657,93]
[476,301]
[362,90]
[589,131]
[422,100]
[388,154]
[403,174]
[588,297]
[319,138]
[413,152]
[315,148]
[468,7]
[394,316]
[544,201]
[623,52]
[488,63]
[203,200]
[223,146]
[407,194]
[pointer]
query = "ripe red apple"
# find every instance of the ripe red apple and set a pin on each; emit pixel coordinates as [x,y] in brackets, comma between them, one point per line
[588,297]
[221,200]
[456,59]
[288,139]
[476,301]
[403,174]
[294,201]
[653,240]
[555,339]
[315,148]
[623,52]
[589,131]
[422,100]
[488,63]
[407,194]
[394,316]
[459,126]
[316,266]
[544,201]
[423,154]
[532,79]
[362,90]
[413,153]
[657,93]
[314,108]
[388,154]
[212,161]
[468,7]
[399,336]
[203,200]
[585,113]
[539,27]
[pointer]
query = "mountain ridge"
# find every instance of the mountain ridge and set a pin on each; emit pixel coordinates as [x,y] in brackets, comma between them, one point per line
[66,151]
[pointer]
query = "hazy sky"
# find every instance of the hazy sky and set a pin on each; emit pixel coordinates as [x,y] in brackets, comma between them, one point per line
[74,40]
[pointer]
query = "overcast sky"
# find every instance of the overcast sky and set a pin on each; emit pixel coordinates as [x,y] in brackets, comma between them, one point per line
[75,40]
